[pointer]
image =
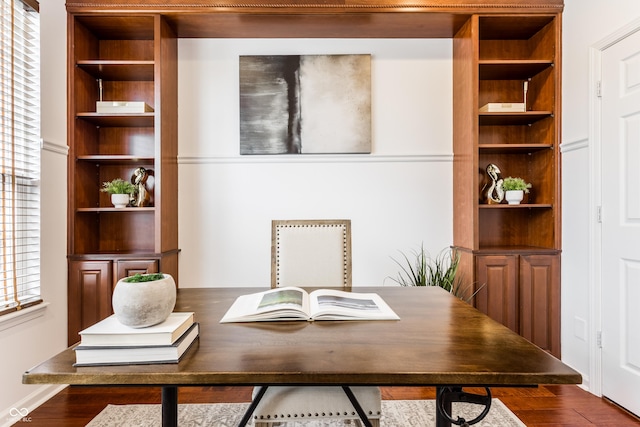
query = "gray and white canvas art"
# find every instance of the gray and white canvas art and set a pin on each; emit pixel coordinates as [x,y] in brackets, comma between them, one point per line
[304,104]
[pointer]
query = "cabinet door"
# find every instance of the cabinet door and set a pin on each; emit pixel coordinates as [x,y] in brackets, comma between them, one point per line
[499,297]
[126,268]
[89,298]
[540,301]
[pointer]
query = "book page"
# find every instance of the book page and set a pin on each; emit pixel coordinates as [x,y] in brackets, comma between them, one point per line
[289,303]
[328,304]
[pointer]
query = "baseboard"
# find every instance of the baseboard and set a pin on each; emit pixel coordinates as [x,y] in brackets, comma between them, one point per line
[21,409]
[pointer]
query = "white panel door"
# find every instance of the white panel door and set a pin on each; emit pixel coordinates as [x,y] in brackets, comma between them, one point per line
[621,223]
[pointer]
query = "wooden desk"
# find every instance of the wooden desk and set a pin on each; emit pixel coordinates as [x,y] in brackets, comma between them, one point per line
[439,341]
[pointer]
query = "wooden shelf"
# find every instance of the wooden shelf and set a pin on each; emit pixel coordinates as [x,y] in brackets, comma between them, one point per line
[119,120]
[519,249]
[119,70]
[119,255]
[512,119]
[513,148]
[115,159]
[116,210]
[520,206]
[511,69]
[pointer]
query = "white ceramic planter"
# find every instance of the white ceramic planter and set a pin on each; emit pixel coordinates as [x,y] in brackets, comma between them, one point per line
[120,200]
[142,304]
[514,197]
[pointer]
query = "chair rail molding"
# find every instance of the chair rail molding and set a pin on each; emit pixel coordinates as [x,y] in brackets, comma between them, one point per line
[577,145]
[297,158]
[53,147]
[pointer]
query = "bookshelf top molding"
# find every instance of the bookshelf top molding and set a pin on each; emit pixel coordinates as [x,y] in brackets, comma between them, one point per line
[316,18]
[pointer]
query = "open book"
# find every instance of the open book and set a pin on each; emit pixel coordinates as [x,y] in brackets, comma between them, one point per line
[292,303]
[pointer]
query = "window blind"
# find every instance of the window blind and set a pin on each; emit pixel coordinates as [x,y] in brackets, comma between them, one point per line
[20,155]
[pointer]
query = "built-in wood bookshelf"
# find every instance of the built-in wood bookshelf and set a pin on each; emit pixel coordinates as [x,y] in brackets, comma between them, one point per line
[127,58]
[131,46]
[511,251]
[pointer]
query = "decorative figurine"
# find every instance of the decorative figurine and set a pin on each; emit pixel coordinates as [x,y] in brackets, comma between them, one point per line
[495,193]
[139,179]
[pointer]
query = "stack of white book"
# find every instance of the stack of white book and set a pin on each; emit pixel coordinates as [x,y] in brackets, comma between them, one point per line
[109,342]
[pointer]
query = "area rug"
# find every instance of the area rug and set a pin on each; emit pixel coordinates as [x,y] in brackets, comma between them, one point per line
[395,413]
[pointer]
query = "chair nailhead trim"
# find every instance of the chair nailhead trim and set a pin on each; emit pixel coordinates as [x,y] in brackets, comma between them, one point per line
[317,414]
[344,244]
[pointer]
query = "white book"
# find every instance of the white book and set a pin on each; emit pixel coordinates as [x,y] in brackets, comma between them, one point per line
[292,303]
[119,107]
[503,107]
[110,332]
[136,355]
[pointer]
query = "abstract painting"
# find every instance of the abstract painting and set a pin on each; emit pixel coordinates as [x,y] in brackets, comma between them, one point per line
[305,104]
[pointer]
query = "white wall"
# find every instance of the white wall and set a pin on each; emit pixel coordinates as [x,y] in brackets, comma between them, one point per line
[397,197]
[586,22]
[36,340]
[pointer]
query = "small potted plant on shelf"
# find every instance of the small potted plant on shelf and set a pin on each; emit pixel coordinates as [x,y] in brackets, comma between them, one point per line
[121,191]
[144,300]
[514,189]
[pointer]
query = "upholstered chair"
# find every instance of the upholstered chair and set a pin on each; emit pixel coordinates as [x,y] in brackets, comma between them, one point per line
[313,253]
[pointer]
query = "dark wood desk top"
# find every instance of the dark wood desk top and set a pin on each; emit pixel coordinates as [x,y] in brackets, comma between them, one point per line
[439,340]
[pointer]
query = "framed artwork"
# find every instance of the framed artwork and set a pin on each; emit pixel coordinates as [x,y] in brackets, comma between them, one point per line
[305,104]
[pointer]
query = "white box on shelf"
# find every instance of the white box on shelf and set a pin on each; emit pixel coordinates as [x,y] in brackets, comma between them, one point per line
[118,107]
[503,107]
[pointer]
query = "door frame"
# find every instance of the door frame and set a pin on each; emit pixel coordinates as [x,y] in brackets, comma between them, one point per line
[595,202]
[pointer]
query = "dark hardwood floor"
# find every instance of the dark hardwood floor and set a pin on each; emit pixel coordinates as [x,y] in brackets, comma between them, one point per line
[547,406]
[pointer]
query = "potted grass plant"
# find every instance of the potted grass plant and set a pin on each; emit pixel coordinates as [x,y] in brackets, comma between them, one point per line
[420,269]
[120,190]
[514,189]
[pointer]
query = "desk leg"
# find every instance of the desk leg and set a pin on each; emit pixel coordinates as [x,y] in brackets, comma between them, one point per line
[443,400]
[169,406]
[445,396]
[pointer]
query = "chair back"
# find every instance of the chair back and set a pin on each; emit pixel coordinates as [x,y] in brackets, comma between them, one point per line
[311,253]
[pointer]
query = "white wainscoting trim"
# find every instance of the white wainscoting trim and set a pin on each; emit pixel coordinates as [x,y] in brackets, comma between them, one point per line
[318,158]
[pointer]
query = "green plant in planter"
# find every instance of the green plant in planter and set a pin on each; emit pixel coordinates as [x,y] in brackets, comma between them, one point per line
[511,183]
[440,271]
[139,278]
[118,186]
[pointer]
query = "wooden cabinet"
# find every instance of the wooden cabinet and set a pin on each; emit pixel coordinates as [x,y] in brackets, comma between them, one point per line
[507,247]
[539,298]
[89,295]
[499,298]
[119,58]
[522,292]
[91,285]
